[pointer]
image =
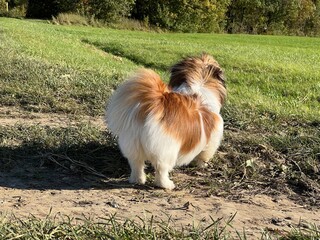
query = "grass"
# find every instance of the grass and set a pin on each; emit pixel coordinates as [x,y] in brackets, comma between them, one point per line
[63,227]
[272,116]
[113,227]
[277,74]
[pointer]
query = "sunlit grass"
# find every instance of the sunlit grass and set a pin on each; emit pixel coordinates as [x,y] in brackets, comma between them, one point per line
[114,227]
[272,115]
[265,73]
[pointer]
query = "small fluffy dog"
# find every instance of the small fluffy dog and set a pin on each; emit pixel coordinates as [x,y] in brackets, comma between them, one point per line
[169,125]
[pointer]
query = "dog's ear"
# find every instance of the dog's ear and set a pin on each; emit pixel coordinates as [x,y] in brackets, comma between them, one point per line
[179,74]
[217,73]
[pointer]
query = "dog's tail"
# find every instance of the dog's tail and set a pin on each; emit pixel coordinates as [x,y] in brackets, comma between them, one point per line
[132,99]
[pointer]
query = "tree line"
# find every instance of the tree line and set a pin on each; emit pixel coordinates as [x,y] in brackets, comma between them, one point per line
[291,17]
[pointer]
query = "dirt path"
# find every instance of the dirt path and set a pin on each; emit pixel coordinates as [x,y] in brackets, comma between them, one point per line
[254,213]
[11,116]
[29,190]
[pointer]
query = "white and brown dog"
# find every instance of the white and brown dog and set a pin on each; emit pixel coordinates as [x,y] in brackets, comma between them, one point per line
[169,125]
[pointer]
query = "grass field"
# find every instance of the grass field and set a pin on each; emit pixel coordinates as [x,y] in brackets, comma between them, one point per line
[272,116]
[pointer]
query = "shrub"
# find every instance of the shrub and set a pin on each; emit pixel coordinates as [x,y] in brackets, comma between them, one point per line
[183,15]
[109,10]
[3,5]
[297,17]
[135,25]
[124,23]
[17,12]
[70,19]
[13,8]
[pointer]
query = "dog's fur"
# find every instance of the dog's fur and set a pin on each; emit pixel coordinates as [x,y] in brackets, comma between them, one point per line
[169,125]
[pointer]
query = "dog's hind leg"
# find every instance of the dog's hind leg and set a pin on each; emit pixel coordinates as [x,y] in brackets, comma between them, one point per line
[162,176]
[215,139]
[137,171]
[132,150]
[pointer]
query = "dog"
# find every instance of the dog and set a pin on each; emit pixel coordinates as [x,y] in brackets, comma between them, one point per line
[169,125]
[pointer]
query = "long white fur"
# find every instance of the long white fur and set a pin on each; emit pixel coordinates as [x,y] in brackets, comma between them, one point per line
[150,142]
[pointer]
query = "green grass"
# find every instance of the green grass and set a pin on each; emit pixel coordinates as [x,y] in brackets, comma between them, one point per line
[113,227]
[272,116]
[265,73]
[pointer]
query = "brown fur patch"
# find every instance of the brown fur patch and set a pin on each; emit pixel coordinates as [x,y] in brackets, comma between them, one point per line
[178,114]
[210,120]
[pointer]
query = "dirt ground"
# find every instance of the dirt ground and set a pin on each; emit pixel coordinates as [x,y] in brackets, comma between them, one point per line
[253,214]
[27,190]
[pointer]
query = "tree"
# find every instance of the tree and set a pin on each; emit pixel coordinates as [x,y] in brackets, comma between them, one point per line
[246,16]
[183,15]
[3,6]
[272,16]
[110,10]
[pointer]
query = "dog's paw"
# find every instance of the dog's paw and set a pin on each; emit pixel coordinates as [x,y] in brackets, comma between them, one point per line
[137,179]
[201,164]
[166,184]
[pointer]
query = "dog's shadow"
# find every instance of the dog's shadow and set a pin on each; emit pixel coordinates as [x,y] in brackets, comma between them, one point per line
[87,166]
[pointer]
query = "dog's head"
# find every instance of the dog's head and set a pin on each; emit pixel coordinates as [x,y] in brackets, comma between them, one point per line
[193,74]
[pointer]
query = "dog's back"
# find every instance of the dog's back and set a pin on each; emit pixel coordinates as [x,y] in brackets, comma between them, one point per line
[157,124]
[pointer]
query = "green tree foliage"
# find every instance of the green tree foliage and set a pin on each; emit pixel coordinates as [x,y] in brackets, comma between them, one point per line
[13,8]
[296,17]
[183,15]
[109,10]
[299,13]
[16,3]
[313,25]
[245,16]
[272,16]
[3,5]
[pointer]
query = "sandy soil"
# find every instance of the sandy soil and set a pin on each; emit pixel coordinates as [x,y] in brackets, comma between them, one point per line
[253,214]
[10,116]
[28,190]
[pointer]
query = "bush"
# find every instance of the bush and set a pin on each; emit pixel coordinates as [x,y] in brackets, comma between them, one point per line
[110,10]
[17,12]
[13,8]
[70,19]
[3,6]
[134,25]
[290,17]
[183,15]
[124,23]
[295,17]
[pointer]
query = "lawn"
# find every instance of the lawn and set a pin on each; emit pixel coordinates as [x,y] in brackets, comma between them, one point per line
[272,115]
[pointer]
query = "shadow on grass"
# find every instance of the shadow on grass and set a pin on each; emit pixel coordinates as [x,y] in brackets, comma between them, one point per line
[84,166]
[118,50]
[86,157]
